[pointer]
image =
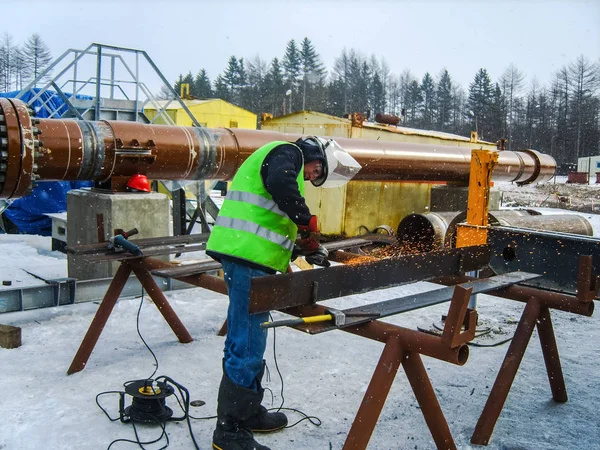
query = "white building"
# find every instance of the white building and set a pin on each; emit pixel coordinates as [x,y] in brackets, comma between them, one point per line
[589,165]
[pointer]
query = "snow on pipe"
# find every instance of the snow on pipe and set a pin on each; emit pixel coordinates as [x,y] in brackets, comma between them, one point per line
[56,149]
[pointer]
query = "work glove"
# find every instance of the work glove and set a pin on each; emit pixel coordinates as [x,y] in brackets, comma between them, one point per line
[318,257]
[309,236]
[310,230]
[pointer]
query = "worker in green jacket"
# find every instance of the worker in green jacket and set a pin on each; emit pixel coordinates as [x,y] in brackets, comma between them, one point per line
[255,235]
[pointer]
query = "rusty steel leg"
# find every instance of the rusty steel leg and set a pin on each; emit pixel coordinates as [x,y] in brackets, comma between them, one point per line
[506,375]
[374,399]
[551,356]
[102,315]
[223,330]
[162,304]
[430,407]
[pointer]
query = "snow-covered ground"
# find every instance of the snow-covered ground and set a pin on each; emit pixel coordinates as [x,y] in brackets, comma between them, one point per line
[324,375]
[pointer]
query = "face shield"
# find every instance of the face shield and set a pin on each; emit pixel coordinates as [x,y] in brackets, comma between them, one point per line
[341,166]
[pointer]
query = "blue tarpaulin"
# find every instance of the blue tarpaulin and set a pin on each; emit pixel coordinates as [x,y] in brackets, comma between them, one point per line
[27,213]
[49,103]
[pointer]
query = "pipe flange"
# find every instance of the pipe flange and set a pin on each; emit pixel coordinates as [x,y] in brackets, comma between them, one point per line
[3,150]
[17,147]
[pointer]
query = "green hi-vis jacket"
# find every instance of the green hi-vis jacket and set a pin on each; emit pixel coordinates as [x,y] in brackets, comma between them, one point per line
[250,225]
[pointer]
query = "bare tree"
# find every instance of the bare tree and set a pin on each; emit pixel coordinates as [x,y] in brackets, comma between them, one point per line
[36,56]
[7,55]
[20,69]
[583,86]
[511,83]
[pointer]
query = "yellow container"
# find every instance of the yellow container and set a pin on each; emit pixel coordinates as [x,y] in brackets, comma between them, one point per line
[210,113]
[346,210]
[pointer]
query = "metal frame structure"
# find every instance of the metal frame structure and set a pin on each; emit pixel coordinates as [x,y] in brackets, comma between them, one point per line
[99,52]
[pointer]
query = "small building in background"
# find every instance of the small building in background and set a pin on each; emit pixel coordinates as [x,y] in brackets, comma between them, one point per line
[365,205]
[210,113]
[591,166]
[315,123]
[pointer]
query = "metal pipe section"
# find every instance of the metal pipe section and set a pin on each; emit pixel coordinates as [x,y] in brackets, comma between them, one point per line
[99,150]
[437,230]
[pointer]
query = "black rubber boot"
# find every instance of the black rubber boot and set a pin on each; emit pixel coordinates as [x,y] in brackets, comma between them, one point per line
[235,405]
[264,421]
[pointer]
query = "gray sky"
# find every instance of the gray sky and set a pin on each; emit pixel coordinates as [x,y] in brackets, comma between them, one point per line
[538,37]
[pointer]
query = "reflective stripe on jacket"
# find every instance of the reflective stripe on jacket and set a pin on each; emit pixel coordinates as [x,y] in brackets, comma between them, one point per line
[250,225]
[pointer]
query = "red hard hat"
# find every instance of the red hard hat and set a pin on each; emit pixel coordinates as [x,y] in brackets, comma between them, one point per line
[139,182]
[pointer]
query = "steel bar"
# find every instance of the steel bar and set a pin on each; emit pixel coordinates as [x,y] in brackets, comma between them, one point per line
[99,321]
[554,300]
[551,356]
[188,269]
[379,387]
[150,251]
[430,407]
[202,280]
[506,375]
[295,289]
[376,330]
[142,243]
[162,304]
[99,150]
[420,300]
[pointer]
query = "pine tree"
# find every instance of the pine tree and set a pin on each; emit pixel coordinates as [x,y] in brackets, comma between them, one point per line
[377,100]
[221,89]
[428,90]
[202,87]
[336,97]
[36,56]
[313,70]
[413,102]
[292,67]
[231,78]
[480,101]
[497,114]
[274,89]
[376,94]
[444,103]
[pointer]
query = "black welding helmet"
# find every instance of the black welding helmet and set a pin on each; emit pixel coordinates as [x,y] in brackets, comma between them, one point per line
[313,148]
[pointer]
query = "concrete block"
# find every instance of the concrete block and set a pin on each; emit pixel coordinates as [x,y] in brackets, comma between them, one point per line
[10,337]
[455,198]
[148,212]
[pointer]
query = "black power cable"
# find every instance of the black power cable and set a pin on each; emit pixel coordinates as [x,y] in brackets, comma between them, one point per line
[312,419]
[150,406]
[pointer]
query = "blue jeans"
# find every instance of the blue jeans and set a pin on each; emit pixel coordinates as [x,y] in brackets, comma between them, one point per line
[246,341]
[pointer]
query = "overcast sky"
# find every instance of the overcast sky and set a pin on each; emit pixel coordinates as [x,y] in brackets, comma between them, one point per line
[538,37]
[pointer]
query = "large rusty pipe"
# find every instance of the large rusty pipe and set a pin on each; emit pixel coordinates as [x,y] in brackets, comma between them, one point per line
[57,149]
